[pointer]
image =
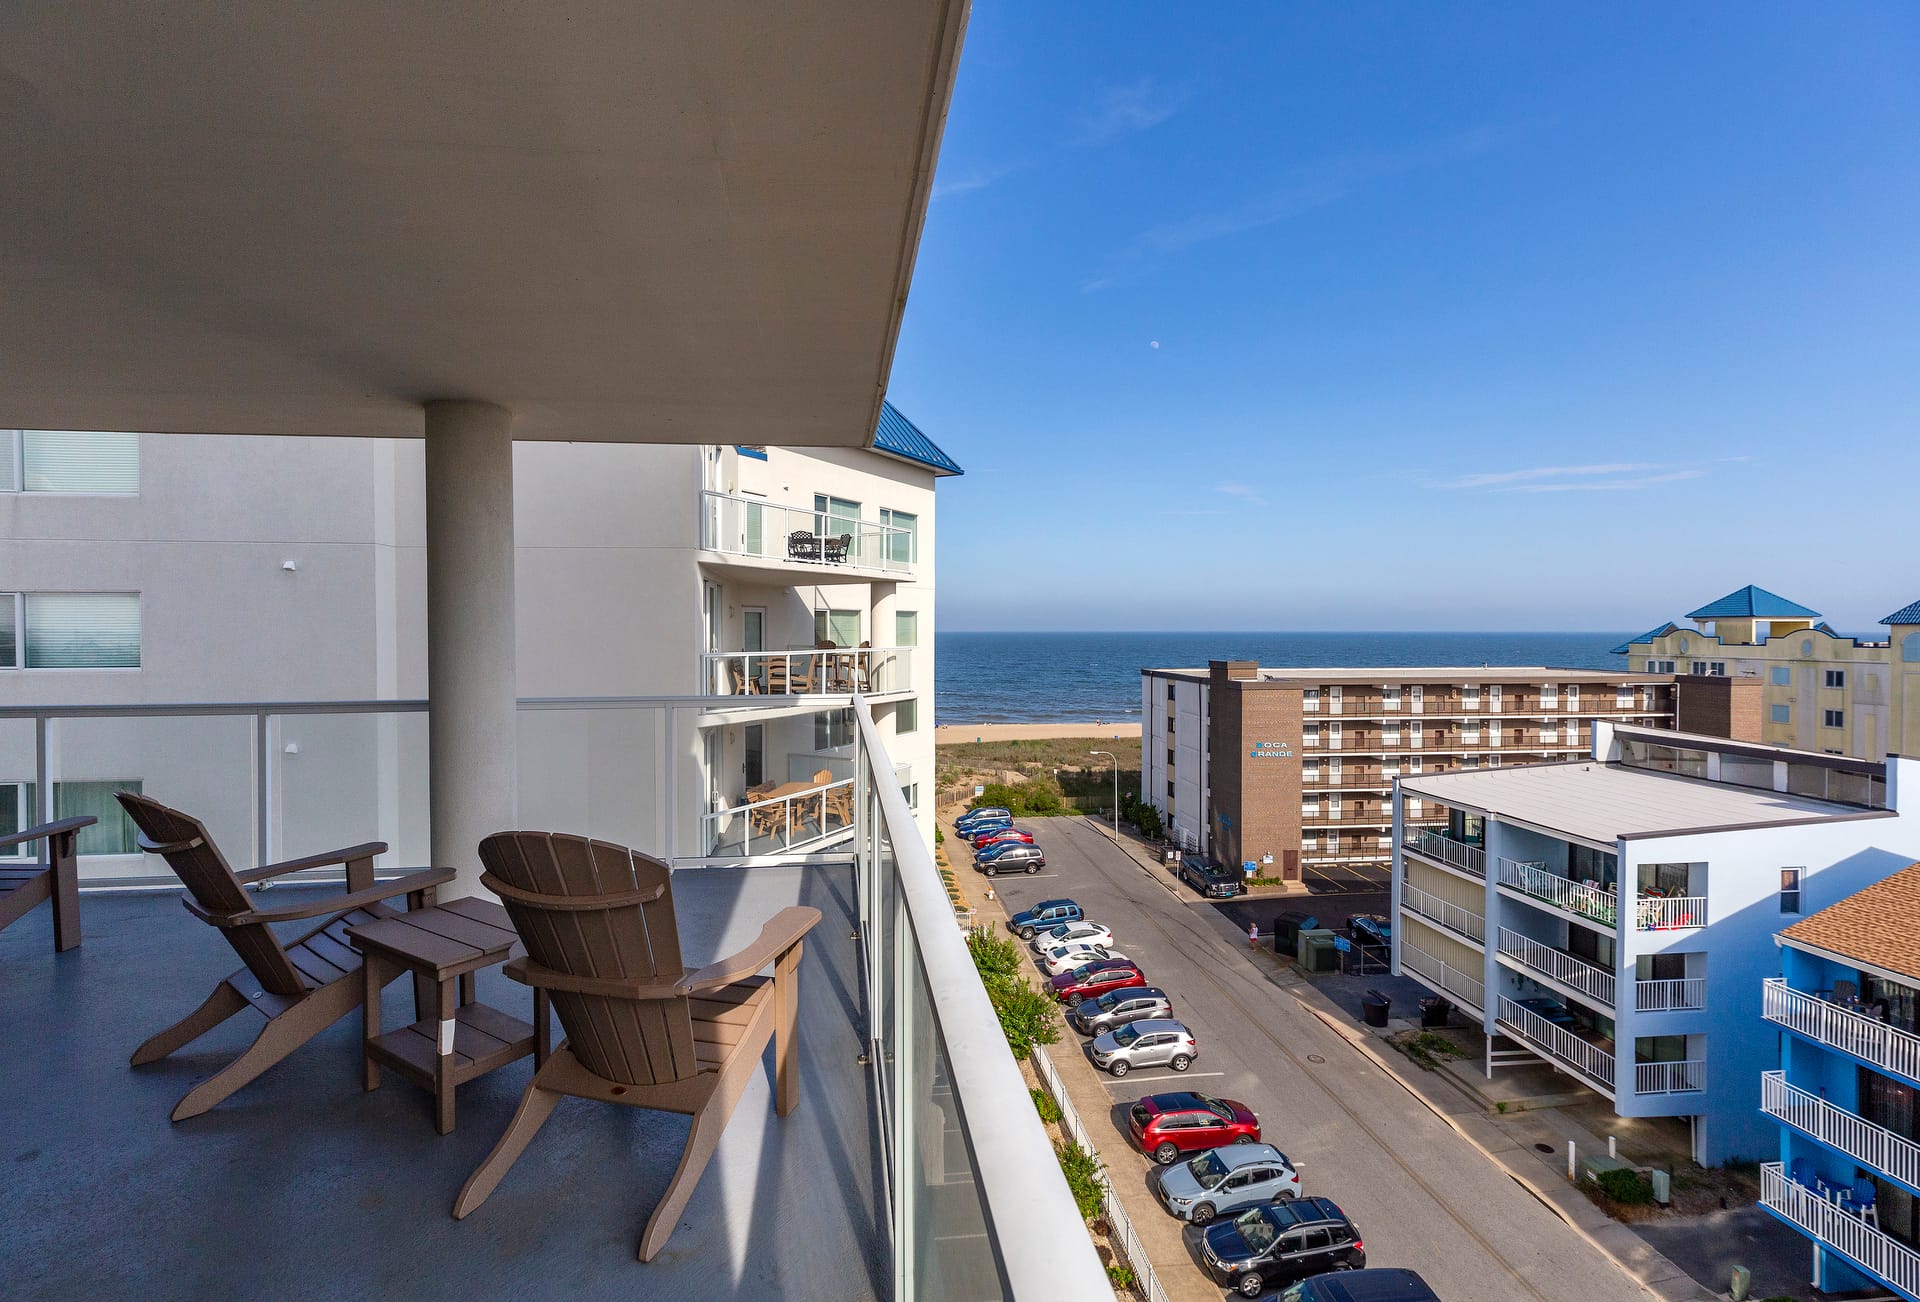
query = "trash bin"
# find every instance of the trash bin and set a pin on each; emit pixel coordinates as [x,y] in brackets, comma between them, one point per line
[1287,928]
[1433,1012]
[1374,1007]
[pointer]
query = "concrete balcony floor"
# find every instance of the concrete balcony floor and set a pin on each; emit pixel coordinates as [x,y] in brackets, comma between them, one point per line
[303,1185]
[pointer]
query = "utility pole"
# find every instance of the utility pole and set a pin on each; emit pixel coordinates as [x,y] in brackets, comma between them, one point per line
[1116,790]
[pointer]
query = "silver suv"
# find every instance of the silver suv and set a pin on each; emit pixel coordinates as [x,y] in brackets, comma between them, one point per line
[1154,1042]
[1116,1008]
[1228,1179]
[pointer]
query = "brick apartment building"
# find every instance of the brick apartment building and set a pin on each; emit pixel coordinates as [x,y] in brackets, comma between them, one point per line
[1294,768]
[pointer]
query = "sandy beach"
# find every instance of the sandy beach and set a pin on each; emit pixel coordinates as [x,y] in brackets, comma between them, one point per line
[951,734]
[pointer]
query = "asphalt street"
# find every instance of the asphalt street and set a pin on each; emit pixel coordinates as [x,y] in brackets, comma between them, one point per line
[1421,1194]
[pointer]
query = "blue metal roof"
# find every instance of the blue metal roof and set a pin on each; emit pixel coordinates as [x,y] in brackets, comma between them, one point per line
[1648,636]
[1753,603]
[899,437]
[1904,615]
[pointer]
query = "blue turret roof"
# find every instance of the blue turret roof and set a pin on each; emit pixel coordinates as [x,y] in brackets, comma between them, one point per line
[1753,603]
[1648,636]
[1904,615]
[899,437]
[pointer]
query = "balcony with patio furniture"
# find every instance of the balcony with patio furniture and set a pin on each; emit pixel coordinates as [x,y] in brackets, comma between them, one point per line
[881,674]
[1565,1035]
[1841,1216]
[758,539]
[1556,967]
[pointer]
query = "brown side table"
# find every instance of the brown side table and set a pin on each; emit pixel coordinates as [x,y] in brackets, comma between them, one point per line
[459,1038]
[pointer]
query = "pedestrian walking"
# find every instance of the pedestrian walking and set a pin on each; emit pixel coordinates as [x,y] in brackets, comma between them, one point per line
[1253,935]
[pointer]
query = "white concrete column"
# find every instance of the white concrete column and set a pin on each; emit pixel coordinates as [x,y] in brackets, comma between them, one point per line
[470,632]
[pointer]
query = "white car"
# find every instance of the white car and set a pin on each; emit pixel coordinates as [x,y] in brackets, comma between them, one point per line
[1065,958]
[1068,932]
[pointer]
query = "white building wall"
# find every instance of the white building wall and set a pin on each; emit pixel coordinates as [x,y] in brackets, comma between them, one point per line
[1183,810]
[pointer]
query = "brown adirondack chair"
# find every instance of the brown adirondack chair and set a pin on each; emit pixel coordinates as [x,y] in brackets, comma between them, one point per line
[602,941]
[56,878]
[301,987]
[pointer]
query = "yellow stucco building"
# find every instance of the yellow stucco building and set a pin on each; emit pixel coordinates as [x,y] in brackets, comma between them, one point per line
[1820,690]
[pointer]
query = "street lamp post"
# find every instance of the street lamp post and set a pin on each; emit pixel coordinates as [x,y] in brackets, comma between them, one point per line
[1116,790]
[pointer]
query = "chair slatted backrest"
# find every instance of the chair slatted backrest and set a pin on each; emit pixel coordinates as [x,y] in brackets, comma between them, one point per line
[633,936]
[182,840]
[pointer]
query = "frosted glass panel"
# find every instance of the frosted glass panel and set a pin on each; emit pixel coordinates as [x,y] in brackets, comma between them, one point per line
[74,461]
[83,630]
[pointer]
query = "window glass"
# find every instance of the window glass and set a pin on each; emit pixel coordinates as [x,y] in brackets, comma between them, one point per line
[1780,714]
[114,833]
[906,628]
[16,802]
[76,461]
[83,630]
[1317,1239]
[9,647]
[832,729]
[840,627]
[1782,676]
[1790,890]
[903,547]
[906,717]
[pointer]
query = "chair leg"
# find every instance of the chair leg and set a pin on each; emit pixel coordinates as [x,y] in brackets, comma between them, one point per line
[223,1003]
[709,1123]
[786,1003]
[278,1038]
[66,892]
[536,1105]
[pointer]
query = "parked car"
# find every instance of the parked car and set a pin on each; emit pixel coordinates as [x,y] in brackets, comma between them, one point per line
[987,836]
[1386,1284]
[1066,931]
[1164,1126]
[1083,983]
[1370,928]
[1073,954]
[1280,1242]
[1211,880]
[980,829]
[1017,859]
[1153,1042]
[1118,1007]
[1028,923]
[1230,1179]
[982,814]
[988,851]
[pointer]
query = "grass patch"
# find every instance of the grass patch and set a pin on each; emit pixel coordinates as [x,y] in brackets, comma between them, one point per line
[1428,1048]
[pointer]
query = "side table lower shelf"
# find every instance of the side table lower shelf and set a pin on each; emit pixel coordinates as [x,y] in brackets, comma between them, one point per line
[483,1038]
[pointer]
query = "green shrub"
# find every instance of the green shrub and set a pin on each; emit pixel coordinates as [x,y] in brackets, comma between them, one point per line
[1027,1017]
[1035,798]
[1624,1186]
[996,956]
[939,837]
[1120,1275]
[1082,1170]
[1147,819]
[1043,1104]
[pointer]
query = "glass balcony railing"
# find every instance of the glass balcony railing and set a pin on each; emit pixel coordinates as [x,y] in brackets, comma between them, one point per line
[757,529]
[872,671]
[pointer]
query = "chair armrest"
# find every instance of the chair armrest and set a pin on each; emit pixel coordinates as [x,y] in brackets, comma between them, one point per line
[782,932]
[402,885]
[47,830]
[365,851]
[527,972]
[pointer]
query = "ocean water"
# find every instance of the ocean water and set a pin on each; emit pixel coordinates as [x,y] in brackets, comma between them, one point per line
[1072,677]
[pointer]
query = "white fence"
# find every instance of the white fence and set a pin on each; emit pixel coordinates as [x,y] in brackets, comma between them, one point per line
[1455,854]
[1858,1138]
[1468,989]
[1596,903]
[1670,913]
[1681,995]
[1864,1037]
[1689,1077]
[1595,982]
[1445,912]
[1880,1253]
[1559,1043]
[1120,1228]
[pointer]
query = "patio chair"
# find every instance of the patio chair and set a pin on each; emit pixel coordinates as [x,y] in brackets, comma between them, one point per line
[863,667]
[789,675]
[642,1031]
[301,987]
[837,548]
[803,545]
[55,877]
[1865,1196]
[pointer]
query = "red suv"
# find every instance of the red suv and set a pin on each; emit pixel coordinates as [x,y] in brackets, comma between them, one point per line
[998,834]
[1166,1125]
[1092,979]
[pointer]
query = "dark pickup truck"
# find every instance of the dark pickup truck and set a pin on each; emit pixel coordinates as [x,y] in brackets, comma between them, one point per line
[1211,880]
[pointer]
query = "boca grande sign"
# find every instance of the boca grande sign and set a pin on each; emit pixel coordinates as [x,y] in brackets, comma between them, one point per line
[1271,750]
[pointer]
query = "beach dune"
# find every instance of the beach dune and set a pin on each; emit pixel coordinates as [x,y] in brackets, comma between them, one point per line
[953,734]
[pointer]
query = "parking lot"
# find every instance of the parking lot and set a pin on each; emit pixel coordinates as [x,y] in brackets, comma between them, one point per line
[1420,1193]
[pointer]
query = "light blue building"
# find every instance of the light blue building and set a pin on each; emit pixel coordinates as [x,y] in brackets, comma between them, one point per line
[1846,1095]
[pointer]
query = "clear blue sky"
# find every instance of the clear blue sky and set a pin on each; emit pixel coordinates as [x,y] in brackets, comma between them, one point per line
[1422,316]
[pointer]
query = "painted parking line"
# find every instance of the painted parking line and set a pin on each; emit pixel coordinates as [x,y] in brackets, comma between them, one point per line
[1131,1079]
[1032,877]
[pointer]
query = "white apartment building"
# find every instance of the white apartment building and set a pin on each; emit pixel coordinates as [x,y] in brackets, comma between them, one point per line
[140,569]
[1614,916]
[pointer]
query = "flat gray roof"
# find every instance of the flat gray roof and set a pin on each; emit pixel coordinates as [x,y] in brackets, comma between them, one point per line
[1600,803]
[1434,673]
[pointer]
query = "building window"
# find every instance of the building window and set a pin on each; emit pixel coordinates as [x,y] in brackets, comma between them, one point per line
[906,718]
[906,628]
[69,461]
[114,833]
[832,729]
[1169,791]
[903,542]
[1833,718]
[1790,890]
[837,627]
[1623,697]
[1659,666]
[69,630]
[1711,668]
[1782,676]
[912,792]
[1836,678]
[1169,757]
[1779,714]
[1169,691]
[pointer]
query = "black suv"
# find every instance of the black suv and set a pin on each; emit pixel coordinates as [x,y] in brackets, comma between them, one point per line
[1362,1286]
[1279,1243]
[1211,880]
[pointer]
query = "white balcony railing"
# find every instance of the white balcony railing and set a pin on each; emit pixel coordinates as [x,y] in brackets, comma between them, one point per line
[1582,899]
[1470,859]
[1557,1043]
[1576,974]
[1463,986]
[1682,994]
[1689,1077]
[814,671]
[1863,1242]
[769,531]
[1670,913]
[1453,917]
[799,816]
[1839,1027]
[1870,1145]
